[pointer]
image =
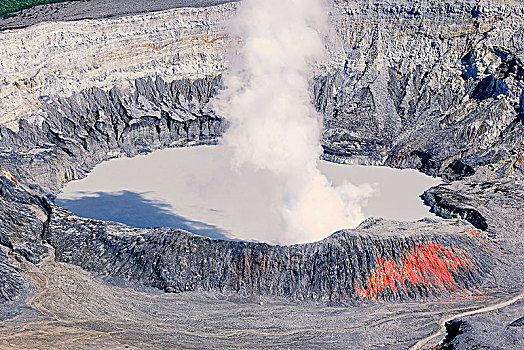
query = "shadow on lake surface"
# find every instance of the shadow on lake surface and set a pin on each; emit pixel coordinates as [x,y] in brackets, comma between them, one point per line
[131,208]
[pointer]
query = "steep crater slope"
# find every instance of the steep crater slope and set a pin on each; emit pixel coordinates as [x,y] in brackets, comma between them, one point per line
[464,136]
[383,259]
[49,61]
[433,85]
[436,86]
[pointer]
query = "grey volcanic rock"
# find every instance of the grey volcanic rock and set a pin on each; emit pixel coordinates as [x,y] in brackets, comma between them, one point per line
[444,87]
[12,280]
[336,269]
[433,85]
[82,131]
[449,204]
[24,221]
[97,125]
[496,329]
[495,206]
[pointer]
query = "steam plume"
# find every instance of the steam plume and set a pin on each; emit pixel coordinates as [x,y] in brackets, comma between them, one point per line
[273,126]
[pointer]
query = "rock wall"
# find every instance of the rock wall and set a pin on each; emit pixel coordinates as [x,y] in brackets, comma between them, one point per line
[94,125]
[433,85]
[54,60]
[381,260]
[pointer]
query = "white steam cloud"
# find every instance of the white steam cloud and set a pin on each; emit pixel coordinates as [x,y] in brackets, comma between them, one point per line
[274,129]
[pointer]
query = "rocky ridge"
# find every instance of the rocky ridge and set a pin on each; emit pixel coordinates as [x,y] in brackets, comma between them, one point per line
[343,268]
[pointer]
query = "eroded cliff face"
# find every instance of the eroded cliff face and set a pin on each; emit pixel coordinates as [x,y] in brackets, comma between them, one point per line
[54,60]
[435,86]
[95,125]
[380,260]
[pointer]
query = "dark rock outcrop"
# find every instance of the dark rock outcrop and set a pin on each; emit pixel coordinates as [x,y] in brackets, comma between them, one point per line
[454,328]
[12,280]
[449,204]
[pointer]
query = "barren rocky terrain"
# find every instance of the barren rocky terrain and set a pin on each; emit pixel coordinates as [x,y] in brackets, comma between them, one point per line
[432,85]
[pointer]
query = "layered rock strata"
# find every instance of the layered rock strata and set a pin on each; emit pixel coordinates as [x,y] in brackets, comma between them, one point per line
[54,60]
